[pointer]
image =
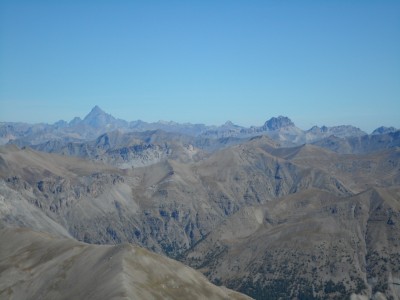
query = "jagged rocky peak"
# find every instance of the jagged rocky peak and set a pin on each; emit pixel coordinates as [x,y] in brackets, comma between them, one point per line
[318,129]
[384,129]
[278,122]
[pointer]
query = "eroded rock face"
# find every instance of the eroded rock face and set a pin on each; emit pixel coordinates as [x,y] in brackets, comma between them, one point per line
[166,207]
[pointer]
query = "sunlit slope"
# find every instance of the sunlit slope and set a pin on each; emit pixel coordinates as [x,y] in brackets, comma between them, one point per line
[39,266]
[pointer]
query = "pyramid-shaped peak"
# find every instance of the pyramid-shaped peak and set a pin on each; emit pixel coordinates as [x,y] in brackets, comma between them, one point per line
[98,118]
[97,110]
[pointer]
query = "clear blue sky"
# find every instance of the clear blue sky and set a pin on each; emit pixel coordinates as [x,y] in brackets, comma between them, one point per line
[318,62]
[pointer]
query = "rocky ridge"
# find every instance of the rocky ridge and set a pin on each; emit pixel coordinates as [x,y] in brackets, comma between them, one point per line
[309,221]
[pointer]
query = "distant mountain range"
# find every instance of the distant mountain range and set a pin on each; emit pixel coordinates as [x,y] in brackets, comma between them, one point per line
[97,122]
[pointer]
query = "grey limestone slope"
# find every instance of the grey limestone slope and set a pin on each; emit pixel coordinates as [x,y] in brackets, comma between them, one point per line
[40,266]
[15,211]
[127,150]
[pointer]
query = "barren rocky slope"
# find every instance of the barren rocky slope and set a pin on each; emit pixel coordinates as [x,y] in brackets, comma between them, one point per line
[269,221]
[167,206]
[358,171]
[36,265]
[127,150]
[310,245]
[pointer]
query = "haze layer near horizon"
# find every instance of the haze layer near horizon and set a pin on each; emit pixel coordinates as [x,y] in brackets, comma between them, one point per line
[317,62]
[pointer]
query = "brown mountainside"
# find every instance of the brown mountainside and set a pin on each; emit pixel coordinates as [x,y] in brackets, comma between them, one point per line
[40,266]
[272,222]
[309,245]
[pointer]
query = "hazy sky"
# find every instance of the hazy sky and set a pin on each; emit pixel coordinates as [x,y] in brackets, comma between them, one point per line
[318,62]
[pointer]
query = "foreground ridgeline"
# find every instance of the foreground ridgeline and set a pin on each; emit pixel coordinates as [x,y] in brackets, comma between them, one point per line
[273,212]
[47,267]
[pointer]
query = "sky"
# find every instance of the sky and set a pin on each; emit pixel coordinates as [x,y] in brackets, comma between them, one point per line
[317,62]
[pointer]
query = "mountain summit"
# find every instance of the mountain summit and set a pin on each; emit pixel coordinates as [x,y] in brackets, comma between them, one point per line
[383,130]
[96,111]
[98,118]
[278,123]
